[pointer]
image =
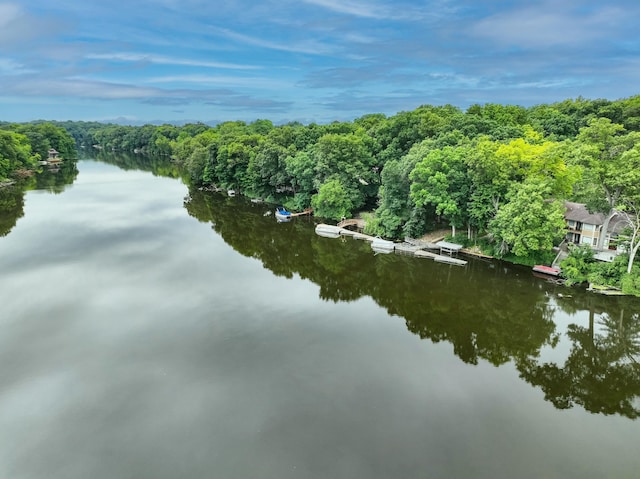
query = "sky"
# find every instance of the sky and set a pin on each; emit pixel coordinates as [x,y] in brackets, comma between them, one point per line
[178,61]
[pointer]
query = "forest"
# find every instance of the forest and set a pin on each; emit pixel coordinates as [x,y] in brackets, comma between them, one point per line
[496,175]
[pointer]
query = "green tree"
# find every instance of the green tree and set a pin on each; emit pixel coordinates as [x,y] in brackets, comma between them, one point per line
[609,166]
[441,180]
[15,153]
[530,222]
[301,170]
[576,267]
[396,209]
[333,200]
[347,158]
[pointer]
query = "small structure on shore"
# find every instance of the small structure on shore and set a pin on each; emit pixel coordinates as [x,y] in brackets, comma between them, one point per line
[449,248]
[53,157]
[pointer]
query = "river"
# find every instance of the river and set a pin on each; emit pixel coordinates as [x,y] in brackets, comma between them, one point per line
[150,331]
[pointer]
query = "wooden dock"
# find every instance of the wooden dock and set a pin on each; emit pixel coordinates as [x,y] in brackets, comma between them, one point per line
[411,247]
[440,258]
[308,211]
[357,222]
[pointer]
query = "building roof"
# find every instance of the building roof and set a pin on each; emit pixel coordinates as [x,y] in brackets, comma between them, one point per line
[449,246]
[579,212]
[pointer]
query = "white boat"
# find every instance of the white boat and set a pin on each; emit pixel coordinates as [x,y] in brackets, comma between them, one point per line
[328,231]
[382,246]
[231,192]
[282,214]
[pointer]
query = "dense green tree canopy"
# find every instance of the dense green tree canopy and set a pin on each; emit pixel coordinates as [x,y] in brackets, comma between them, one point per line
[499,170]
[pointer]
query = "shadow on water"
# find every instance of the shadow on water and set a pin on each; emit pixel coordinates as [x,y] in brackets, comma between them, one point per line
[487,310]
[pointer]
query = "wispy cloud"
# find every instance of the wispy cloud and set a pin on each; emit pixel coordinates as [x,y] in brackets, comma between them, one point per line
[237,81]
[9,13]
[377,10]
[163,60]
[549,25]
[313,59]
[311,47]
[359,9]
[16,25]
[106,91]
[10,67]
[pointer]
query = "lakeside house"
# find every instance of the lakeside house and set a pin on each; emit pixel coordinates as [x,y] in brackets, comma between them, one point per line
[53,156]
[584,227]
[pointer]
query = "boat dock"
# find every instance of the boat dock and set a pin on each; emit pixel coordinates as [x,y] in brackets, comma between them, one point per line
[410,246]
[306,212]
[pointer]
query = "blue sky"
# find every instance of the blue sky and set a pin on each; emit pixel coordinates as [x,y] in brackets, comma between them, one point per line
[306,60]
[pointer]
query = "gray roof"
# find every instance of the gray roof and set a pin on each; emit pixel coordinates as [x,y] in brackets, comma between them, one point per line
[579,212]
[450,246]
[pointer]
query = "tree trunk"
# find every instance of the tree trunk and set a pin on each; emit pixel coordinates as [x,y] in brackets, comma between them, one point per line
[632,252]
[453,230]
[604,230]
[633,221]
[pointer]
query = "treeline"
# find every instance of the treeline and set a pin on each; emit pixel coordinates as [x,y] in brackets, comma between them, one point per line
[23,145]
[497,173]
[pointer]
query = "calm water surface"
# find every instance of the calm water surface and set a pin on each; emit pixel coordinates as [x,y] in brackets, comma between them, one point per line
[147,331]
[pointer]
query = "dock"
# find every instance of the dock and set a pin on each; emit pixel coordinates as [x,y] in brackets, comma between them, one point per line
[409,246]
[308,211]
[440,258]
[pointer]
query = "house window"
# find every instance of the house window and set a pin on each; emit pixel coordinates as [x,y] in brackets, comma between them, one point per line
[587,227]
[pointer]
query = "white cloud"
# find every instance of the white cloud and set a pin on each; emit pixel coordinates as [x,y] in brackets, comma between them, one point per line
[10,67]
[358,9]
[16,25]
[309,47]
[144,57]
[9,13]
[229,80]
[76,87]
[410,11]
[548,25]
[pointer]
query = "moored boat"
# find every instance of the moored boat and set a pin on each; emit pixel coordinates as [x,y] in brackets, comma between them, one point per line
[539,268]
[328,231]
[282,214]
[382,246]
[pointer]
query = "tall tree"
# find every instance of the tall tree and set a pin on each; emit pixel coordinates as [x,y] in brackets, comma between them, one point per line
[530,222]
[441,180]
[600,148]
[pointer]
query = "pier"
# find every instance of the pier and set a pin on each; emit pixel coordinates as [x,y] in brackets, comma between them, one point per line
[307,212]
[410,246]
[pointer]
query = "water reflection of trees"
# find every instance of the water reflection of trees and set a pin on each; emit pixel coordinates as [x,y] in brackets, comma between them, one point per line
[601,373]
[56,179]
[11,207]
[157,165]
[51,179]
[487,310]
[468,307]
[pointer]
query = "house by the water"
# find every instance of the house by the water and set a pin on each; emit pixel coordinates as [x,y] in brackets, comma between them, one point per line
[584,227]
[53,156]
